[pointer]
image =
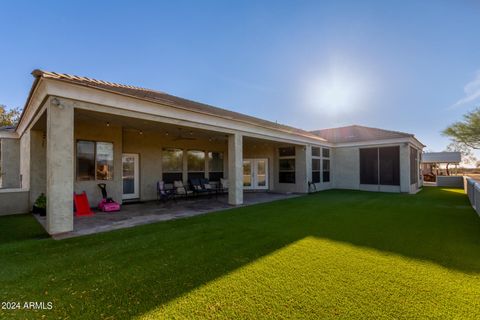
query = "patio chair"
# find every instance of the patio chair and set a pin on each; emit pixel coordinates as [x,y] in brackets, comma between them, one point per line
[163,194]
[180,190]
[207,186]
[196,187]
[223,186]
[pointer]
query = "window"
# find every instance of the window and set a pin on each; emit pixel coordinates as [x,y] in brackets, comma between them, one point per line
[315,170]
[326,170]
[325,153]
[196,164]
[172,164]
[315,165]
[325,165]
[104,155]
[380,166]
[215,166]
[413,165]
[94,160]
[286,166]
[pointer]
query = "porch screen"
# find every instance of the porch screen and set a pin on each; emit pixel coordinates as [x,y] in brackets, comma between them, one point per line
[215,166]
[389,166]
[380,166]
[369,166]
[172,165]
[196,164]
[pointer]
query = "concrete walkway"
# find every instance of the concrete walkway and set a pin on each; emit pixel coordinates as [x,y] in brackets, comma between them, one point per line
[152,211]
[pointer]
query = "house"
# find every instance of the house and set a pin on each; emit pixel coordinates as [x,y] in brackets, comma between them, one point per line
[436,171]
[75,132]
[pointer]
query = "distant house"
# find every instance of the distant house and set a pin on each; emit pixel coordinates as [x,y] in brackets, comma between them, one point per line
[75,132]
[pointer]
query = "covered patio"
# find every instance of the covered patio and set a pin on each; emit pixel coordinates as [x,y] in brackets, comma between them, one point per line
[140,213]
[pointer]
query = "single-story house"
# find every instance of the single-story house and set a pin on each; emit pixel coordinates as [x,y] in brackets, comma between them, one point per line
[76,132]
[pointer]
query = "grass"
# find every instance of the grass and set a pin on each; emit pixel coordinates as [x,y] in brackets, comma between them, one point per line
[335,254]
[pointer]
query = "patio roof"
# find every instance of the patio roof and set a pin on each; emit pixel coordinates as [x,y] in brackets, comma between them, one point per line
[442,157]
[168,99]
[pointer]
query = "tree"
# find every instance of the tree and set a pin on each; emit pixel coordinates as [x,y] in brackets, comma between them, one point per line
[468,158]
[8,117]
[466,132]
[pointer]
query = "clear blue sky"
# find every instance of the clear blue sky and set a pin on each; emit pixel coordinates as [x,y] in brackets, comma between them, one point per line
[408,66]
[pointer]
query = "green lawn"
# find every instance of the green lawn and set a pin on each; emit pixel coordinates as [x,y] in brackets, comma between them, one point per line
[335,254]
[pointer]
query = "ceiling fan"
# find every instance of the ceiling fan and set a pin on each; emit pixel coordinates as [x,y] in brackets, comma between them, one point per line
[180,136]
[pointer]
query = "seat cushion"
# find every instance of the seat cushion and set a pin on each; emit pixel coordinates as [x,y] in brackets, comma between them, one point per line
[178,184]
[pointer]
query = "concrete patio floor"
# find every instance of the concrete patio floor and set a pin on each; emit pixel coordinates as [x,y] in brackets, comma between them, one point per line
[135,214]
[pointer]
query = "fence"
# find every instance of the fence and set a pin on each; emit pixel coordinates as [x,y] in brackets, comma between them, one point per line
[472,189]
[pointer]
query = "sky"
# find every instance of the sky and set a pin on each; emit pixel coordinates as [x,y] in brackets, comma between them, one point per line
[411,66]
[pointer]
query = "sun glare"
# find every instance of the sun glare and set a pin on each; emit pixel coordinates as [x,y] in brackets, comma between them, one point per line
[336,93]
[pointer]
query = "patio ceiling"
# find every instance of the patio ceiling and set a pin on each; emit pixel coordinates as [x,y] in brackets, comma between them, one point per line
[140,125]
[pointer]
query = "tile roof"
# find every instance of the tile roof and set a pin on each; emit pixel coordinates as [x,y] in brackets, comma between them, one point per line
[357,133]
[164,98]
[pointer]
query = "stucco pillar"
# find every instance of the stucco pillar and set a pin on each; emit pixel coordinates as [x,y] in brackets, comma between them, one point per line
[235,169]
[60,167]
[404,167]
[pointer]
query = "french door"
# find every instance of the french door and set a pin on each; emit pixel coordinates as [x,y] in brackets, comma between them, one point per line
[255,174]
[131,177]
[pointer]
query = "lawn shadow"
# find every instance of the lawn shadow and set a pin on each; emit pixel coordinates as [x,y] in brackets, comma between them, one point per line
[144,267]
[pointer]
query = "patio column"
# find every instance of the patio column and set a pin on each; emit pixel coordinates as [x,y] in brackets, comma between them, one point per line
[235,169]
[60,166]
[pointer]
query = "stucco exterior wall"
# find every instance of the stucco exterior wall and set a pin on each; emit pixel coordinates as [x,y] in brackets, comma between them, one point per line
[346,170]
[10,163]
[259,151]
[300,185]
[97,131]
[38,166]
[13,201]
[149,146]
